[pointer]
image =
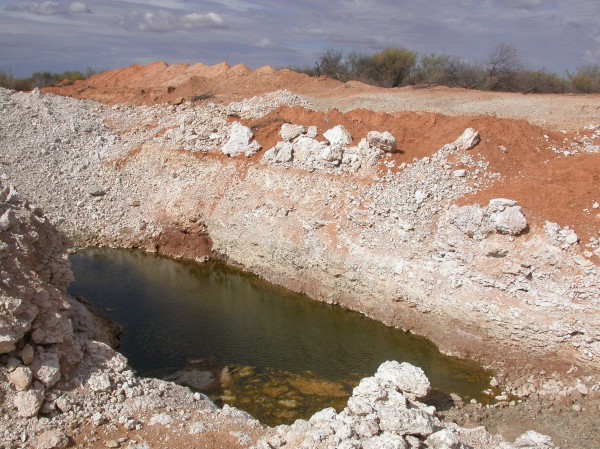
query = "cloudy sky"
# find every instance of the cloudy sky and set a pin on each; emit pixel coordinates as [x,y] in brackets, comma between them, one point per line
[62,35]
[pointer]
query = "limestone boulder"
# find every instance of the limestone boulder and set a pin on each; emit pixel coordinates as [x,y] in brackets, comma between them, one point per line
[382,141]
[239,142]
[443,439]
[405,378]
[21,378]
[289,132]
[385,441]
[52,439]
[28,403]
[467,140]
[507,217]
[46,367]
[338,136]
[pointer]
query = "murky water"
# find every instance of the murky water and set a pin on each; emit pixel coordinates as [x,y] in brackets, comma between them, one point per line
[272,352]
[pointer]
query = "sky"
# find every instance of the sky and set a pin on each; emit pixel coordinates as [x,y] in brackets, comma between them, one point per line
[59,35]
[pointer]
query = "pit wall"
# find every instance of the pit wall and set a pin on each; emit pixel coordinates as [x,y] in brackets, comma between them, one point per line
[373,247]
[388,243]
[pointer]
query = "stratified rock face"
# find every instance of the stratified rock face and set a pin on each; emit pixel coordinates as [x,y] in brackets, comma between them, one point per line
[383,412]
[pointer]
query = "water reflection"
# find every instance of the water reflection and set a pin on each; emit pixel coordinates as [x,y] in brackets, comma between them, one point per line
[176,312]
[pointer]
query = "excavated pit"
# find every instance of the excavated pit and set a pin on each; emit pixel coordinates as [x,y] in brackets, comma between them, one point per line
[411,238]
[271,352]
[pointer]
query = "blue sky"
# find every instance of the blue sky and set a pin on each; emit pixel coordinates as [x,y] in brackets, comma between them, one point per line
[72,35]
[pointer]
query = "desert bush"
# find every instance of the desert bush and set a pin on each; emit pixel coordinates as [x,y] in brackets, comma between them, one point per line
[331,63]
[42,79]
[540,81]
[7,80]
[448,71]
[586,79]
[203,96]
[390,67]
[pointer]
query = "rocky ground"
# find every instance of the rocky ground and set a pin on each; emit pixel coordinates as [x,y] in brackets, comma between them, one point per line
[478,232]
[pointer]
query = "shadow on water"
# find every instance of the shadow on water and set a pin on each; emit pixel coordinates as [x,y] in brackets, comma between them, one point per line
[275,353]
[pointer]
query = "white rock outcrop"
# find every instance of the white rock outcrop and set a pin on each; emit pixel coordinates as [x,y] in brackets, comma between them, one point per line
[501,216]
[467,140]
[338,136]
[239,142]
[383,141]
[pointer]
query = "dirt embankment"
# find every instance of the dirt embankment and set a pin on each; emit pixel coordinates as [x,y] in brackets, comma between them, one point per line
[159,83]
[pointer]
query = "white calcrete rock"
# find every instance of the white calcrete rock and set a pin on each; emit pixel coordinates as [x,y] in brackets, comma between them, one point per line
[289,131]
[307,148]
[338,136]
[562,236]
[507,217]
[46,368]
[382,141]
[385,441]
[99,382]
[21,378]
[405,378]
[239,141]
[282,152]
[367,426]
[529,440]
[52,439]
[468,139]
[500,204]
[28,403]
[443,439]
[312,132]
[332,153]
[8,220]
[404,421]
[533,440]
[161,419]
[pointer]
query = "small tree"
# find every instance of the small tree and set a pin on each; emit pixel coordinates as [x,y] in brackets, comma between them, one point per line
[331,64]
[502,64]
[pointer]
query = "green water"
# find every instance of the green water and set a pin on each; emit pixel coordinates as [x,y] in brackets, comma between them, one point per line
[174,312]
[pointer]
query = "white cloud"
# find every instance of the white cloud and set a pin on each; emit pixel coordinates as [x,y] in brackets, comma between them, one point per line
[266,43]
[523,4]
[79,8]
[592,56]
[195,20]
[51,8]
[162,21]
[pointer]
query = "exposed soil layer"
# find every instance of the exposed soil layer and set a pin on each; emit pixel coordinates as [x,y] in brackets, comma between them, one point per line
[549,186]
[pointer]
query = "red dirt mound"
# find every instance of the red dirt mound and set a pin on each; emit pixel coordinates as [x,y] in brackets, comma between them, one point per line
[161,83]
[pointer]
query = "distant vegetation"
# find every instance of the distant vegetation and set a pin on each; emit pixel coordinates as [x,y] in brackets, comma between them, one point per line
[41,79]
[502,70]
